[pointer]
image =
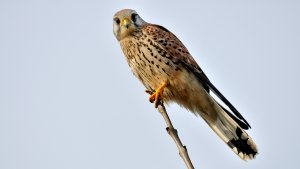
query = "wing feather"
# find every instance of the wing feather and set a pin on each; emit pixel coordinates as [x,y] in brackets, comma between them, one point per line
[178,51]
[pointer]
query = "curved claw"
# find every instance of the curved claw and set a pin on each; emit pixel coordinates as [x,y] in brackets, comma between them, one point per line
[157,96]
[149,92]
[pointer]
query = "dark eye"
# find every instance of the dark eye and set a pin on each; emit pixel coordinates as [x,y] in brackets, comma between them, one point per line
[133,17]
[117,20]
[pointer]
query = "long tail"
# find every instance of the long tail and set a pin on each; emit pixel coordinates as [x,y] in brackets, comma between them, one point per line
[234,136]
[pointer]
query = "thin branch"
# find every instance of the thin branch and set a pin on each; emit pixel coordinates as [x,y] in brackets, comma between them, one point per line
[173,133]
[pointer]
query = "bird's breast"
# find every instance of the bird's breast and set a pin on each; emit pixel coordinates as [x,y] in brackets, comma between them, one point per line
[149,62]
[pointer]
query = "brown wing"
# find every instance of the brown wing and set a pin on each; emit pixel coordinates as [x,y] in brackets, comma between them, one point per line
[175,48]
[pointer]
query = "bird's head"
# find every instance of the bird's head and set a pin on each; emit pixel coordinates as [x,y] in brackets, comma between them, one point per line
[126,22]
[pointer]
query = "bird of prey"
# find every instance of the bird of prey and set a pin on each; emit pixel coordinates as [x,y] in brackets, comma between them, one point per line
[169,72]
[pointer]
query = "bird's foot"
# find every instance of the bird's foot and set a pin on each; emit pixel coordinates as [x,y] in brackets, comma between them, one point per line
[157,96]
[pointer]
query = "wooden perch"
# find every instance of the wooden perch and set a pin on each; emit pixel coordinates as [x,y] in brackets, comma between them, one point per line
[173,133]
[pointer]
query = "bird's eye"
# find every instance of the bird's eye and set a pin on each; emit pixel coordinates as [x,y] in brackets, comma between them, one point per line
[117,20]
[133,17]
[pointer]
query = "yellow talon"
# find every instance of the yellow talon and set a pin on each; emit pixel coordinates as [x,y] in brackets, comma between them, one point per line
[158,95]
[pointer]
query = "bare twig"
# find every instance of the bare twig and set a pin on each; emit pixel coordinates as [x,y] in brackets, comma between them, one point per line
[173,133]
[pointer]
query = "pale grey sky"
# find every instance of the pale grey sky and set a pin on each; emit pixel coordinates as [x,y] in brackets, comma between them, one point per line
[69,100]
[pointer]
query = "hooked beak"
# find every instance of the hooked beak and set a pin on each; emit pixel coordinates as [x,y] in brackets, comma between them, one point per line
[125,22]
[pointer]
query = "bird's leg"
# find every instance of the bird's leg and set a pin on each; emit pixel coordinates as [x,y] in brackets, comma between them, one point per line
[157,96]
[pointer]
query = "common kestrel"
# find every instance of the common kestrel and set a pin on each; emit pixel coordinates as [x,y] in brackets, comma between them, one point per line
[167,70]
